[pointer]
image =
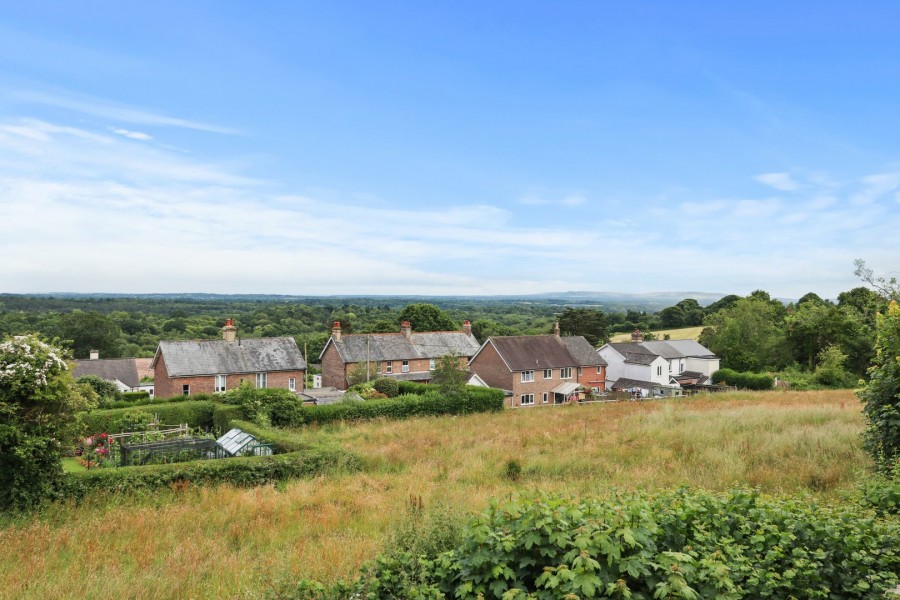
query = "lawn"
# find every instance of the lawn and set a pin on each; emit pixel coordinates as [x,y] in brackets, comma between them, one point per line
[232,543]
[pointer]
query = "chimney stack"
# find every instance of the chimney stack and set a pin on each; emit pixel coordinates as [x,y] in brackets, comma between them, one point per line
[336,331]
[556,329]
[637,336]
[95,354]
[229,332]
[467,327]
[406,329]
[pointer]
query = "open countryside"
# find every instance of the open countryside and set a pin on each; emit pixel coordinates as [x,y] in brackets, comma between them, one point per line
[227,542]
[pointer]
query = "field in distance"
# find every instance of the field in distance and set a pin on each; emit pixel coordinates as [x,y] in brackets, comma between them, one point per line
[684,333]
[235,543]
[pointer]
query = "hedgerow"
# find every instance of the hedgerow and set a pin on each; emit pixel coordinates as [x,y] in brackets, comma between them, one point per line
[747,381]
[672,545]
[242,471]
[193,412]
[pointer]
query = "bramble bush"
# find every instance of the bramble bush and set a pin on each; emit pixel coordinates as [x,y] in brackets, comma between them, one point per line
[679,544]
[881,396]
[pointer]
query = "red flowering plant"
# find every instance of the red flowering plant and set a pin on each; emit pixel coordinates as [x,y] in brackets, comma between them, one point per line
[95,451]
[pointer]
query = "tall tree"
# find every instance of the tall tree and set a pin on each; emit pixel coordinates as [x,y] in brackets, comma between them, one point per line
[428,317]
[749,336]
[91,331]
[586,322]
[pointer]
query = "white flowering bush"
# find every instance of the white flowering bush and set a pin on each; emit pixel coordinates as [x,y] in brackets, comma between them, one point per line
[28,364]
[39,400]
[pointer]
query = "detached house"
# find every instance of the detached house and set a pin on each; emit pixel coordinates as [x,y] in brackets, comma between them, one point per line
[657,367]
[212,366]
[404,355]
[540,369]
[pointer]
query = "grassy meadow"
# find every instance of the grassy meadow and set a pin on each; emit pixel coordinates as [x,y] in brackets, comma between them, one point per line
[235,543]
[684,333]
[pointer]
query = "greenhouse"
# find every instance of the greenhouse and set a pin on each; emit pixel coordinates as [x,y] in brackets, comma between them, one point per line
[238,442]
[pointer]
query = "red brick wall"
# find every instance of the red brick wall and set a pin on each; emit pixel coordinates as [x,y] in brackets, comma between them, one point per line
[591,379]
[334,373]
[490,367]
[167,387]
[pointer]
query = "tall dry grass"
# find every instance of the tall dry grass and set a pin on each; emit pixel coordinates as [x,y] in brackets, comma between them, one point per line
[232,543]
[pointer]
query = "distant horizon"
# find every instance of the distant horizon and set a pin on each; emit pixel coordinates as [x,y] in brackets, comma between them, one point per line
[442,149]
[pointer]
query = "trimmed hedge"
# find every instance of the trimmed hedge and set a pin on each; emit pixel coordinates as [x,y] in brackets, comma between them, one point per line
[194,413]
[242,471]
[135,396]
[171,400]
[747,381]
[475,400]
[412,387]
[223,414]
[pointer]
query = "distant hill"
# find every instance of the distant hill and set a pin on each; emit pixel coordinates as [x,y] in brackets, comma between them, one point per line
[607,301]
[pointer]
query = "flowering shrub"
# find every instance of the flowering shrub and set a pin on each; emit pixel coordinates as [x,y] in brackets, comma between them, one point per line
[95,451]
[38,403]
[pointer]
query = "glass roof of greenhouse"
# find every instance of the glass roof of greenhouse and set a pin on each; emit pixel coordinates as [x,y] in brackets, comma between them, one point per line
[234,441]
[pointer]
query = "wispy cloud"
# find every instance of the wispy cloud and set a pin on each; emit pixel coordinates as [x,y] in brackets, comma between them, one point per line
[135,135]
[782,182]
[113,111]
[567,200]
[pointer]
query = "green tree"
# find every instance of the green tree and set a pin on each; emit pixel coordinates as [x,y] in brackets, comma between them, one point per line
[881,396]
[586,322]
[749,336]
[105,390]
[91,331]
[482,329]
[38,403]
[428,317]
[831,370]
[450,376]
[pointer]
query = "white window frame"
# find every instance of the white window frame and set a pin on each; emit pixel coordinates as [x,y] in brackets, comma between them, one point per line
[220,384]
[262,381]
[526,400]
[404,366]
[388,367]
[546,398]
[527,377]
[565,373]
[548,373]
[599,370]
[431,364]
[292,384]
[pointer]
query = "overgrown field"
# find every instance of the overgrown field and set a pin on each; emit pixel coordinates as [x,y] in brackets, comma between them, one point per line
[224,542]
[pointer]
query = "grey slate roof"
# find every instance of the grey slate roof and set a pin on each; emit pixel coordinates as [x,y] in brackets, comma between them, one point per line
[528,352]
[355,348]
[122,369]
[643,353]
[623,383]
[218,357]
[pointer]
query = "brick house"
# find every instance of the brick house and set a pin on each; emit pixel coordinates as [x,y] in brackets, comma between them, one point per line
[540,369]
[182,368]
[405,355]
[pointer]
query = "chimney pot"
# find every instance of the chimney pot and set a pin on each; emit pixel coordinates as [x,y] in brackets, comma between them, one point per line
[229,332]
[637,336]
[336,331]
[556,329]
[467,327]
[406,329]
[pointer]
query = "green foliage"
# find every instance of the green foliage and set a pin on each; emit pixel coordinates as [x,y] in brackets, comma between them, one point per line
[748,335]
[105,390]
[91,331]
[358,374]
[431,403]
[428,317]
[135,396]
[881,491]
[586,322]
[745,381]
[387,386]
[482,329]
[449,376]
[194,413]
[831,371]
[881,396]
[671,545]
[513,470]
[39,400]
[242,471]
[687,313]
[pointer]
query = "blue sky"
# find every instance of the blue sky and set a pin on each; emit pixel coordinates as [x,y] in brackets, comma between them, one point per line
[455,148]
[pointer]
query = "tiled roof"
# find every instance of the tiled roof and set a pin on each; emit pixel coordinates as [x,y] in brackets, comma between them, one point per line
[643,353]
[219,357]
[355,348]
[527,352]
[122,369]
